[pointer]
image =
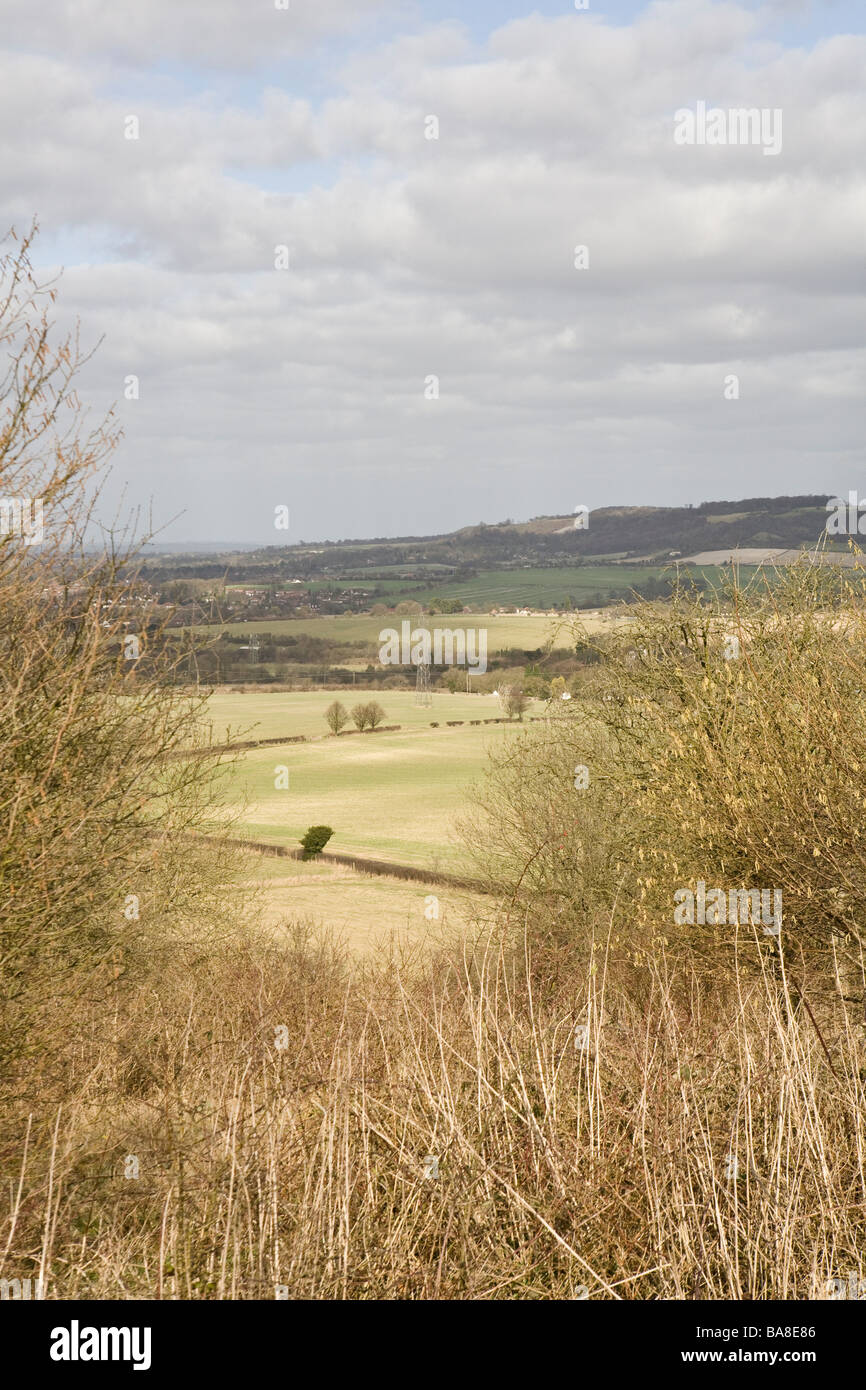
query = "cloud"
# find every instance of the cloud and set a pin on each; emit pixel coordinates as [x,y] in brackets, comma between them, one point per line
[455,257]
[201,33]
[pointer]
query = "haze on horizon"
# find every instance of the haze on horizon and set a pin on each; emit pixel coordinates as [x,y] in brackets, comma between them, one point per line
[453,257]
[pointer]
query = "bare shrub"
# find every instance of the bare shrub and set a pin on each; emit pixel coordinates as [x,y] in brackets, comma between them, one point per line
[498,1124]
[95,819]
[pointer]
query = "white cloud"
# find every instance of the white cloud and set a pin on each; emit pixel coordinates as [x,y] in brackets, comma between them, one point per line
[455,257]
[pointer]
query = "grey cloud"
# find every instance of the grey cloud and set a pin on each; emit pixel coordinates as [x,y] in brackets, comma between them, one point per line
[218,33]
[455,257]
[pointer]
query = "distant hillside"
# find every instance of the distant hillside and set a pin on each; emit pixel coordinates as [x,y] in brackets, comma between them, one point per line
[653,532]
[646,534]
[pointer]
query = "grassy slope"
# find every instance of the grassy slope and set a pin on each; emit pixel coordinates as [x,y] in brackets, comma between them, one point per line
[390,795]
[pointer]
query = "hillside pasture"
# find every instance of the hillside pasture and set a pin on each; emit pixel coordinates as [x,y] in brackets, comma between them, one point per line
[390,795]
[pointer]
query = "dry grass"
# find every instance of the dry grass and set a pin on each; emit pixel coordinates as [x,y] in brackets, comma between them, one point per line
[564,1171]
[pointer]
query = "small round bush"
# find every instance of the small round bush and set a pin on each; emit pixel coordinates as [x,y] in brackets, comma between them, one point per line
[315,840]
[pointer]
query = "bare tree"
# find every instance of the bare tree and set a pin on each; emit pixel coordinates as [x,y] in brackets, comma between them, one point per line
[93,814]
[336,716]
[375,714]
[514,701]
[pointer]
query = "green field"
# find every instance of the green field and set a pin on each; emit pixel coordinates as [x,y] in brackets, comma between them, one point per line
[272,714]
[532,587]
[387,796]
[546,588]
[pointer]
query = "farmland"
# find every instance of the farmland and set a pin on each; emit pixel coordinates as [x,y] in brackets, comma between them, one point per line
[273,714]
[389,795]
[506,632]
[392,796]
[526,586]
[532,587]
[367,913]
[503,631]
[579,585]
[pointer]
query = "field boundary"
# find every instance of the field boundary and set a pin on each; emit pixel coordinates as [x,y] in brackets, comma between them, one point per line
[346,733]
[381,867]
[274,742]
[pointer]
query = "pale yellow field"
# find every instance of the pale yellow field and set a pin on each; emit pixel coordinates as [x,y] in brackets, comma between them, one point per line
[366,913]
[507,630]
[523,632]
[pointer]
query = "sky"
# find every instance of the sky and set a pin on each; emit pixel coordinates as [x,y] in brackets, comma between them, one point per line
[328,252]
